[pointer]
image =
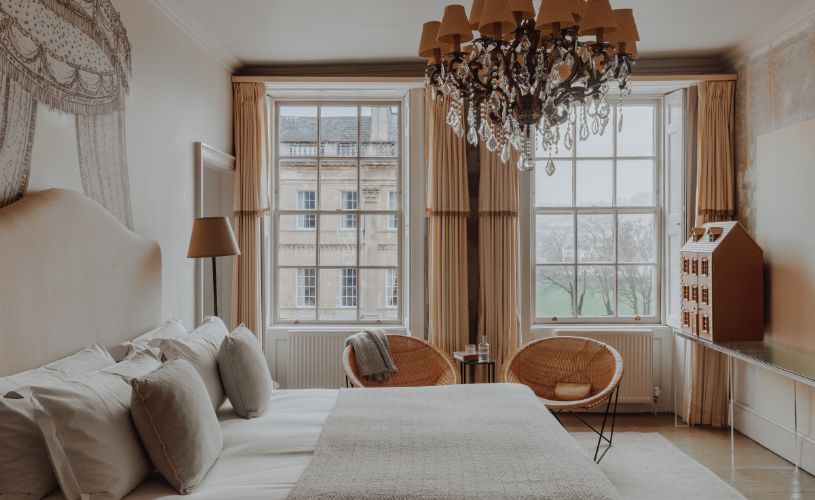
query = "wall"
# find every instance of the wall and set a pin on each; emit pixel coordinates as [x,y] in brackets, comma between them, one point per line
[775,90]
[179,94]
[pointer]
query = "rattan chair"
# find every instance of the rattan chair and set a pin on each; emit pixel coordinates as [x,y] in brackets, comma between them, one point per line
[419,363]
[542,364]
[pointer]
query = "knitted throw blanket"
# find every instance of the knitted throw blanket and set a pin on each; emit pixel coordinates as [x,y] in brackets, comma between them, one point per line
[373,355]
[479,441]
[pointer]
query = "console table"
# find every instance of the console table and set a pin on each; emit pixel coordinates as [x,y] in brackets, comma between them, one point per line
[795,365]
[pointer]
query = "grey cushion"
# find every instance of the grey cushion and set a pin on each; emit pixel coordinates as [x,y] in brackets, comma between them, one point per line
[200,349]
[244,373]
[172,412]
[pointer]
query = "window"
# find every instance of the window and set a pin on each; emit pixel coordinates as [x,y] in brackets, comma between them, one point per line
[337,185]
[596,221]
[306,287]
[349,202]
[704,266]
[694,266]
[391,289]
[306,200]
[705,296]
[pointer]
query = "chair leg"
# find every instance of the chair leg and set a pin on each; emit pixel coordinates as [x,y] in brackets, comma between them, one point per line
[615,395]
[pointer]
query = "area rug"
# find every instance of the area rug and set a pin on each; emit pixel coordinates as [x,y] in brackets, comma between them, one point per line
[647,466]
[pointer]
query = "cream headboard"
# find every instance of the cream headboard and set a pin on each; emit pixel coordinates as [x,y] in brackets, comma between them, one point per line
[71,275]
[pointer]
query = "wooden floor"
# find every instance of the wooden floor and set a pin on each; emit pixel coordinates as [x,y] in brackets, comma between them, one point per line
[759,474]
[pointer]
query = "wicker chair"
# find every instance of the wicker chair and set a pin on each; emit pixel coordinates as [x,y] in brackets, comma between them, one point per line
[542,364]
[419,363]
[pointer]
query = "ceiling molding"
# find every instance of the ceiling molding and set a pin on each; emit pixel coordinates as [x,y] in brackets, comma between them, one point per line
[201,36]
[777,31]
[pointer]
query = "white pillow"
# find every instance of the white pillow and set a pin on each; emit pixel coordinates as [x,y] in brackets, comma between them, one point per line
[200,349]
[172,328]
[86,425]
[24,467]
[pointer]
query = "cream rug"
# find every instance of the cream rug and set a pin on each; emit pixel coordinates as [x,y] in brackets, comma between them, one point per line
[647,466]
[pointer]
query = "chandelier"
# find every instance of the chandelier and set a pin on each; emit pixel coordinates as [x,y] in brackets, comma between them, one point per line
[524,73]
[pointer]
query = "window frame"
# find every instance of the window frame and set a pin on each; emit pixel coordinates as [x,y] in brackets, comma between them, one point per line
[303,217]
[391,286]
[305,286]
[399,213]
[615,210]
[347,217]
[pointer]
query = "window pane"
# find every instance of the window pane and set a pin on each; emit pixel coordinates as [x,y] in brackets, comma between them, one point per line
[554,291]
[295,246]
[595,291]
[338,246]
[636,238]
[560,150]
[296,294]
[379,178]
[295,176]
[635,183]
[337,294]
[554,190]
[596,144]
[637,290]
[379,129]
[595,238]
[298,131]
[338,131]
[595,183]
[554,239]
[637,135]
[379,295]
[380,245]
[336,175]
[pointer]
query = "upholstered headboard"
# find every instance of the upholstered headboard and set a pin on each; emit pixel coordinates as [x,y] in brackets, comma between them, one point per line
[71,275]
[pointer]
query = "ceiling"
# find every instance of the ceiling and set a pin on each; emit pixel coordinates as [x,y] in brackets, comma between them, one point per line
[284,31]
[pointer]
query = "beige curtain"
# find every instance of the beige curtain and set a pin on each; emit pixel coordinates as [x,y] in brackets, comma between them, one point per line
[251,123]
[497,242]
[706,386]
[447,205]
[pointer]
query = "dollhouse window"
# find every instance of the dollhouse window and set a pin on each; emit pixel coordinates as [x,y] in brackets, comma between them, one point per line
[705,324]
[694,265]
[686,265]
[704,267]
[686,292]
[695,294]
[705,296]
[686,318]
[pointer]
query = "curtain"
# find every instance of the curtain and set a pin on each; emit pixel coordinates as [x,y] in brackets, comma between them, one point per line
[706,385]
[251,122]
[18,119]
[497,241]
[447,203]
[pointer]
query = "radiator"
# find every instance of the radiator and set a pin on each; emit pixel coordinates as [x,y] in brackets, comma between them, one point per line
[636,349]
[315,360]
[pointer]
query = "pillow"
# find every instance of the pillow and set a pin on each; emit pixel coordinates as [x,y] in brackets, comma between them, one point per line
[572,392]
[24,467]
[244,373]
[200,349]
[174,417]
[170,329]
[85,422]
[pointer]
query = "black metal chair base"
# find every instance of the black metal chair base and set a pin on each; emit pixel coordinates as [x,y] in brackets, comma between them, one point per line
[602,437]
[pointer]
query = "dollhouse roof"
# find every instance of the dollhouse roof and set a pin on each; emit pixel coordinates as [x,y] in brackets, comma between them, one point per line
[704,244]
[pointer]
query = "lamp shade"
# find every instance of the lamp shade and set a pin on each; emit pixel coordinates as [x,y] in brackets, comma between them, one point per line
[454,24]
[429,42]
[212,237]
[578,7]
[630,48]
[525,7]
[626,27]
[598,18]
[496,19]
[555,11]
[475,14]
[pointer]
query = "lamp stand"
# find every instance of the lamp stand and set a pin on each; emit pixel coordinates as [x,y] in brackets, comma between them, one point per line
[215,286]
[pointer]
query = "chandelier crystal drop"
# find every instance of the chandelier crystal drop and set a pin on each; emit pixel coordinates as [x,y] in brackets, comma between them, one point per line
[525,75]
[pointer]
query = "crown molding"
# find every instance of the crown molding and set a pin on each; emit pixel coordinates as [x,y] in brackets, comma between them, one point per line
[201,36]
[793,22]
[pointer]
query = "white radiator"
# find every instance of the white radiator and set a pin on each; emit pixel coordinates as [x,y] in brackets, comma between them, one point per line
[636,349]
[315,360]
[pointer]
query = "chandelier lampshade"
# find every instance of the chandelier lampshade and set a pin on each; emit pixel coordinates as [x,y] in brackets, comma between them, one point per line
[496,19]
[475,14]
[429,43]
[598,19]
[556,11]
[455,29]
[523,7]
[630,48]
[626,27]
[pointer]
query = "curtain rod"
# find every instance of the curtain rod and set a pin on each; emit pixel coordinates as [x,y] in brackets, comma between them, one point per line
[416,79]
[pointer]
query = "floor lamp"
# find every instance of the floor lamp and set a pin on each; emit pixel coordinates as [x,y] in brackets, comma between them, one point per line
[212,237]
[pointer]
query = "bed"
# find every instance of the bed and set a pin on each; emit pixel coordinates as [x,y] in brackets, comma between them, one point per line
[77,277]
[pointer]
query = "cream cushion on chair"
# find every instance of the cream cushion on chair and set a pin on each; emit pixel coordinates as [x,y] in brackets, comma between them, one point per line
[24,467]
[244,373]
[173,415]
[200,349]
[565,391]
[88,432]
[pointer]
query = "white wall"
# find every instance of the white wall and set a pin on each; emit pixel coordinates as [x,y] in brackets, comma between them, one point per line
[179,94]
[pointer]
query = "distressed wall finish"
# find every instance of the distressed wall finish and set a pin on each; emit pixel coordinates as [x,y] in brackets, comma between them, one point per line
[775,89]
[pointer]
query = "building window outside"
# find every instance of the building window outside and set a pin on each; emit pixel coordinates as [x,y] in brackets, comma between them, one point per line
[348,288]
[391,288]
[393,204]
[306,200]
[596,222]
[306,287]
[349,202]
